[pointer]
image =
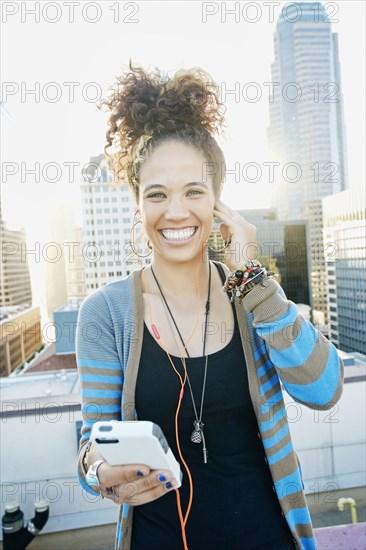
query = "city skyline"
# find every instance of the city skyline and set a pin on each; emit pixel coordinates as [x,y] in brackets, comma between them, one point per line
[78,130]
[310,133]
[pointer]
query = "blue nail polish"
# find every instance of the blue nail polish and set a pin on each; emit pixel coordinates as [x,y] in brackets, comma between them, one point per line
[162,478]
[168,485]
[139,473]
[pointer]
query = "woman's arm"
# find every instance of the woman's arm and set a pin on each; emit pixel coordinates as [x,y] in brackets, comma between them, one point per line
[101,382]
[100,372]
[308,364]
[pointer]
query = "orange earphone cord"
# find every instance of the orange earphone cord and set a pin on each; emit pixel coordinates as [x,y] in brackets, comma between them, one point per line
[183,521]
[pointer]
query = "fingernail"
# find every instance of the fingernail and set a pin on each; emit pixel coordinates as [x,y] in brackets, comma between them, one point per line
[139,473]
[162,478]
[168,485]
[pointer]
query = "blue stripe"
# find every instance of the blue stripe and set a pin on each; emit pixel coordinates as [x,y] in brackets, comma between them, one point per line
[99,364]
[269,424]
[268,443]
[88,422]
[264,368]
[96,408]
[269,384]
[118,530]
[119,539]
[108,394]
[288,484]
[118,379]
[266,329]
[297,515]
[276,398]
[281,453]
[259,352]
[110,408]
[322,390]
[308,543]
[299,351]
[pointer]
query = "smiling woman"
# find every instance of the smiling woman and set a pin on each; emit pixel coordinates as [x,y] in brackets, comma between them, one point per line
[177,218]
[162,351]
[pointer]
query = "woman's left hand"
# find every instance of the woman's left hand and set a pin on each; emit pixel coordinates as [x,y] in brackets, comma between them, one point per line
[240,232]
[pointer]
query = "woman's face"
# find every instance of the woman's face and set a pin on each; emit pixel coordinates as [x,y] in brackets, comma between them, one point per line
[176,201]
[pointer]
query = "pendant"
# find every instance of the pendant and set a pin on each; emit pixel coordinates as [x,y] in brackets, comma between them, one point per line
[196,436]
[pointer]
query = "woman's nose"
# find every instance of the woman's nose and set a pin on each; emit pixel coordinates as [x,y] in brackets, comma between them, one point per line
[177,210]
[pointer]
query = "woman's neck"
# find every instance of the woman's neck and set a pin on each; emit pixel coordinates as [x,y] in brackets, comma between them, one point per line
[179,280]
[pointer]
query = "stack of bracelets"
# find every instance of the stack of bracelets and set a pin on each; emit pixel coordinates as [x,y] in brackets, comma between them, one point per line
[242,281]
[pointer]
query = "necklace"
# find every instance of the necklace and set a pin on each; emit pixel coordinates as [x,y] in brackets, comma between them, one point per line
[197,435]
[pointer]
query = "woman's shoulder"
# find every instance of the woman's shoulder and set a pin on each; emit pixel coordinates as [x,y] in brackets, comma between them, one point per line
[118,293]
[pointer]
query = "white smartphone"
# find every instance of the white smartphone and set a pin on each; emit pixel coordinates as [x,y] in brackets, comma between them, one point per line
[135,442]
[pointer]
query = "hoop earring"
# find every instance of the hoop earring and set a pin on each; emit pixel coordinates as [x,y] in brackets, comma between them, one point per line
[132,243]
[221,249]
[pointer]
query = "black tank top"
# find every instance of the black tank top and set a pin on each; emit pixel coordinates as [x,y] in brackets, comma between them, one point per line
[234,503]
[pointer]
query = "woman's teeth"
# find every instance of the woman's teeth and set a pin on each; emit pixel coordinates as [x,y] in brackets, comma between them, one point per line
[178,235]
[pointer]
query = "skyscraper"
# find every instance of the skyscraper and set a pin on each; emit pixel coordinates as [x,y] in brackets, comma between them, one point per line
[107,215]
[282,248]
[15,283]
[307,130]
[345,245]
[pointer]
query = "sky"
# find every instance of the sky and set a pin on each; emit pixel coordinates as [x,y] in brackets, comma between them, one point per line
[72,62]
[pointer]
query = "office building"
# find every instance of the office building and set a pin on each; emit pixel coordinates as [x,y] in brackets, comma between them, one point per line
[59,224]
[75,267]
[345,255]
[15,283]
[283,249]
[307,129]
[20,337]
[107,220]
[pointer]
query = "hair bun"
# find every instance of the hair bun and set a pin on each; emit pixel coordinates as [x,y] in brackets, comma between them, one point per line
[148,102]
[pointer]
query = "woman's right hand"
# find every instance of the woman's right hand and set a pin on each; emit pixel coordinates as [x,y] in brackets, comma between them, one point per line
[134,484]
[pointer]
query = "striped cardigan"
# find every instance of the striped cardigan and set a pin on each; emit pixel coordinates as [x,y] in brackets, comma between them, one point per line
[279,347]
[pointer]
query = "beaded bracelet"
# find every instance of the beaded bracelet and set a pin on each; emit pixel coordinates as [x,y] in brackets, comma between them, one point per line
[242,281]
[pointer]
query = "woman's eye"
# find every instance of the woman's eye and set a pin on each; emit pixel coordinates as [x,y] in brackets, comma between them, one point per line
[155,195]
[195,192]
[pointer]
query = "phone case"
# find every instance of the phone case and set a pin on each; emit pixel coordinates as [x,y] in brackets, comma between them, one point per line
[135,442]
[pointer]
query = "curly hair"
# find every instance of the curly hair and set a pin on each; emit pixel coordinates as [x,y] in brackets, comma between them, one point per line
[149,108]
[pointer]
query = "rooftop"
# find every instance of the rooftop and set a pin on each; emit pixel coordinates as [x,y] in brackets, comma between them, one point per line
[53,363]
[36,385]
[72,305]
[8,312]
